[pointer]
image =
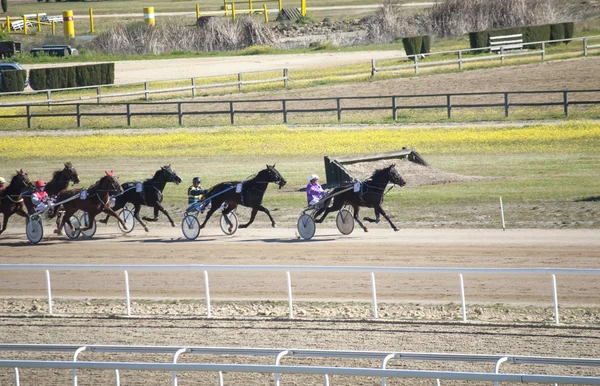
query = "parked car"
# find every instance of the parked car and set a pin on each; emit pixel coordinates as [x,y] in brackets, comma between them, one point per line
[9,66]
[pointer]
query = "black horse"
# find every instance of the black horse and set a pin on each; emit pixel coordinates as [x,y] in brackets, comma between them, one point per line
[370,195]
[251,195]
[150,195]
[59,182]
[11,201]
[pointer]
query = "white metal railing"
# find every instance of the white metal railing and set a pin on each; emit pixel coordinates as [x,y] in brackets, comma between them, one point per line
[460,60]
[279,353]
[552,272]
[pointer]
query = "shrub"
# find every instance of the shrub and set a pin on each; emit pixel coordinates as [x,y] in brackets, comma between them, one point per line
[536,33]
[416,45]
[389,23]
[74,76]
[37,79]
[569,27]
[557,31]
[13,80]
[426,46]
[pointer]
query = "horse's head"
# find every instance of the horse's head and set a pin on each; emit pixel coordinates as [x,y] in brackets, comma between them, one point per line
[166,174]
[274,176]
[21,180]
[110,183]
[69,173]
[395,177]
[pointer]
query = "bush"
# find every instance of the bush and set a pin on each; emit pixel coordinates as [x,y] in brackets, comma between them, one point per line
[479,39]
[37,79]
[536,33]
[74,76]
[412,45]
[13,80]
[557,32]
[569,27]
[426,46]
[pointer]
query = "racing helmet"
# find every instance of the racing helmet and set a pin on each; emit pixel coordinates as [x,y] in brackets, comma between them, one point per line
[313,177]
[197,179]
[2,180]
[40,184]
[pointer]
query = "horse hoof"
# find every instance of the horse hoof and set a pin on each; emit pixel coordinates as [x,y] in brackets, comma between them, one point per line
[396,229]
[274,225]
[147,230]
[243,226]
[173,225]
[366,230]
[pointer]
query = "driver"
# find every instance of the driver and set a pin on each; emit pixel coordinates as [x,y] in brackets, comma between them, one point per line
[2,183]
[39,197]
[195,191]
[314,191]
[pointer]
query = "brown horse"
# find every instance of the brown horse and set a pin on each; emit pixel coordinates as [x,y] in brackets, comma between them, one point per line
[11,201]
[59,182]
[96,202]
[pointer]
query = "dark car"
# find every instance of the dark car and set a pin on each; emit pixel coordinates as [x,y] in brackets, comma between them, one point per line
[9,66]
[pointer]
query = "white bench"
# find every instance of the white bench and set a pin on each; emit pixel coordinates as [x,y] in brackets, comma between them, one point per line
[50,19]
[506,42]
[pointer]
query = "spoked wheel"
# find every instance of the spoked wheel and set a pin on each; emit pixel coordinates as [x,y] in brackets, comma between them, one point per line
[84,221]
[73,232]
[190,226]
[34,230]
[127,216]
[345,222]
[225,227]
[306,227]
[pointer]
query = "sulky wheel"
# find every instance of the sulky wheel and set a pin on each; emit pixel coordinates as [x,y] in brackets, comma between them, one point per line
[34,230]
[229,229]
[345,222]
[306,227]
[73,232]
[127,216]
[190,226]
[85,220]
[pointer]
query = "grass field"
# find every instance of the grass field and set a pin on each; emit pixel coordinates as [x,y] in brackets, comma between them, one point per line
[547,175]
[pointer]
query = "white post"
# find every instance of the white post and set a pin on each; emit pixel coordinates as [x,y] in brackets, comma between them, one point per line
[80,349]
[497,367]
[127,296]
[117,378]
[179,352]
[462,298]
[374,290]
[289,288]
[49,292]
[17,380]
[502,214]
[555,295]
[460,61]
[208,312]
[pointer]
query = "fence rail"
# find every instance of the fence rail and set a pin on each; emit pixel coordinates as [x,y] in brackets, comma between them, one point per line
[280,353]
[391,103]
[288,269]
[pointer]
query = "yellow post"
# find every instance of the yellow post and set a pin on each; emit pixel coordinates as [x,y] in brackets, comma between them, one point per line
[39,25]
[250,6]
[68,24]
[303,7]
[7,24]
[266,13]
[197,11]
[225,6]
[233,10]
[25,24]
[92,29]
[280,6]
[149,16]
[53,28]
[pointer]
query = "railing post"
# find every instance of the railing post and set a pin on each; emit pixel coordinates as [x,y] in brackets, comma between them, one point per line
[566,102]
[285,77]
[49,98]
[339,109]
[231,113]
[180,113]
[146,90]
[585,47]
[543,51]
[128,114]
[17,380]
[48,285]
[39,24]
[460,62]
[284,111]
[206,289]
[266,13]
[555,296]
[506,104]
[462,298]
[416,64]
[502,55]
[53,28]
[394,109]
[24,25]
[289,288]
[239,81]
[449,106]
[98,92]
[78,109]
[193,87]
[28,108]
[127,294]
[374,295]
[373,68]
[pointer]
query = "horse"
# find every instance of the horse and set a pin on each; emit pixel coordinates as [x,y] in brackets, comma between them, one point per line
[251,195]
[11,201]
[151,195]
[370,195]
[97,201]
[59,182]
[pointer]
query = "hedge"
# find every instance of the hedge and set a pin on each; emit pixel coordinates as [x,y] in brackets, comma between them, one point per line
[569,28]
[416,45]
[13,80]
[535,33]
[75,76]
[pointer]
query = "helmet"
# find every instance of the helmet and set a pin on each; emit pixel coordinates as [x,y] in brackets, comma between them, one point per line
[197,179]
[313,177]
[2,180]
[40,184]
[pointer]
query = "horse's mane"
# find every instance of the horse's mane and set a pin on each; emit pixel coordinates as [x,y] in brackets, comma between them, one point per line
[378,172]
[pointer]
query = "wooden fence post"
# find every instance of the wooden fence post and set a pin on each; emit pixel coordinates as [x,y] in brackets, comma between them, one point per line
[566,102]
[373,68]
[180,113]
[98,99]
[543,51]
[284,109]
[502,55]
[146,90]
[506,104]
[460,62]
[239,81]
[28,117]
[285,77]
[193,87]
[449,106]
[231,113]
[78,110]
[128,114]
[416,64]
[394,110]
[585,48]
[339,109]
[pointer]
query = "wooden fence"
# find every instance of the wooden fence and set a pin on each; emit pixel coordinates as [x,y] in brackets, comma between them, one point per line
[391,103]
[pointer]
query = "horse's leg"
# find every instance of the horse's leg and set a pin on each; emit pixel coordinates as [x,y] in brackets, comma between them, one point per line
[155,218]
[387,217]
[356,209]
[377,210]
[4,221]
[118,205]
[228,210]
[252,216]
[158,207]
[337,205]
[212,210]
[110,213]
[136,215]
[66,218]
